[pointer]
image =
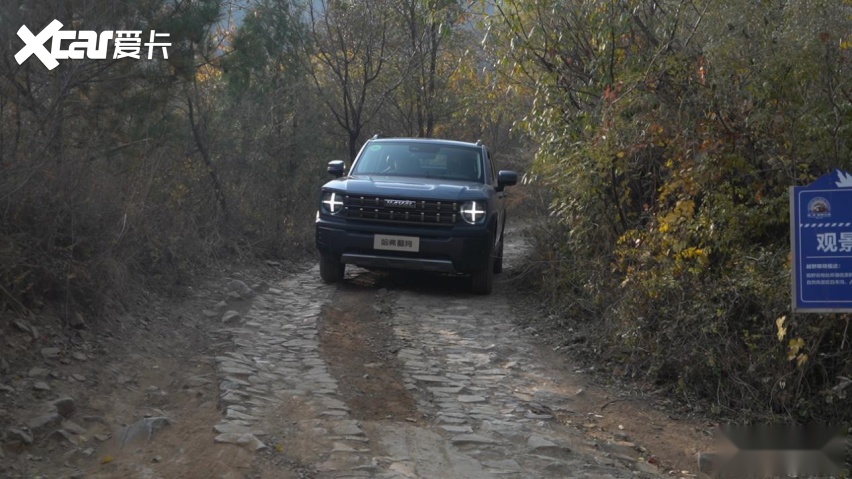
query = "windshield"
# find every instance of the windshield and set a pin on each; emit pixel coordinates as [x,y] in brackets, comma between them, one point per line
[423,160]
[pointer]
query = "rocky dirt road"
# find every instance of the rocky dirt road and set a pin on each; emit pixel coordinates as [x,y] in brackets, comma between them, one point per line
[385,376]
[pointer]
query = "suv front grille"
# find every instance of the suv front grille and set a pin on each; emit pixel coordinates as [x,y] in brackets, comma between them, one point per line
[401,211]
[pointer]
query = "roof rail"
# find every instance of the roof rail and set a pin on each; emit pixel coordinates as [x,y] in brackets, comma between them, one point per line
[375,137]
[478,142]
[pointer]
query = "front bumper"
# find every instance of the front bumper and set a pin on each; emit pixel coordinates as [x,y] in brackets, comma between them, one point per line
[461,249]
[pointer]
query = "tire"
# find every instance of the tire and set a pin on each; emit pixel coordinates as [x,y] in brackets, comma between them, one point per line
[481,281]
[331,269]
[498,259]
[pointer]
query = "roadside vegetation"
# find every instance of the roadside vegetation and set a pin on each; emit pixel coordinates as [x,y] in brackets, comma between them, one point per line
[662,135]
[116,172]
[669,133]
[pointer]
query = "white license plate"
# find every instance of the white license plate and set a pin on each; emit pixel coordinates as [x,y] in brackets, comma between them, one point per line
[396,243]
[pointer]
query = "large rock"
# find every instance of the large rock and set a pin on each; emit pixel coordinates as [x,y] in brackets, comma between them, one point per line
[41,386]
[18,436]
[234,414]
[74,428]
[76,321]
[230,317]
[240,288]
[25,327]
[63,437]
[246,440]
[545,447]
[64,406]
[237,427]
[43,424]
[347,428]
[49,353]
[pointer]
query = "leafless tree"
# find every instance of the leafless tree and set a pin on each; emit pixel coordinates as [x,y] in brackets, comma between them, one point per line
[349,47]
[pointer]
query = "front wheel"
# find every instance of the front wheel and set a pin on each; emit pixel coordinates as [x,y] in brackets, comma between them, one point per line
[331,269]
[481,281]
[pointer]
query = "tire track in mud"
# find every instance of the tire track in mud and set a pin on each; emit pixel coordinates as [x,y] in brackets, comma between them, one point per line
[357,342]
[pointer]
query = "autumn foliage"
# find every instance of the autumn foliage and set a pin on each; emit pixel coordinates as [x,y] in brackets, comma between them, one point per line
[120,172]
[669,133]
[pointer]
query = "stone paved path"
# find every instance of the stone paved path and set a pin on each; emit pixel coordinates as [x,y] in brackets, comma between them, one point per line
[383,376]
[484,407]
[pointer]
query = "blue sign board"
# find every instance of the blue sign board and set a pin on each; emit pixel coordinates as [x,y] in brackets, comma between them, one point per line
[821,241]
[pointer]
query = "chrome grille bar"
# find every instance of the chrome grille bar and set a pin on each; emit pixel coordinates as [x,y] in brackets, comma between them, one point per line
[418,211]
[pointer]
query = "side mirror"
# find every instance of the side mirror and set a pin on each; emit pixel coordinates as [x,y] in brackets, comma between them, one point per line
[506,178]
[336,168]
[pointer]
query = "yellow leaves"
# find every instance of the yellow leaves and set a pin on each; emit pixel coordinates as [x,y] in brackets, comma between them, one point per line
[683,185]
[208,73]
[794,348]
[692,252]
[684,210]
[782,330]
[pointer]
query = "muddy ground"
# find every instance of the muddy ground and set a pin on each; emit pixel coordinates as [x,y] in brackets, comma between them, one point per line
[263,371]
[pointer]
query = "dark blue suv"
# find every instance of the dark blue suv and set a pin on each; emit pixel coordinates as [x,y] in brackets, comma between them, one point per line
[419,204]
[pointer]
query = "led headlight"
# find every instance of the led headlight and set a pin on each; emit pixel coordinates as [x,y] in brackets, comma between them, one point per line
[473,212]
[332,202]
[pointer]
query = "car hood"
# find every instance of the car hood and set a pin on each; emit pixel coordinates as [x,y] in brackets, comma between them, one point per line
[412,188]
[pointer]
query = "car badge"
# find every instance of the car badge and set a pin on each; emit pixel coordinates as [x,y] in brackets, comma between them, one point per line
[401,203]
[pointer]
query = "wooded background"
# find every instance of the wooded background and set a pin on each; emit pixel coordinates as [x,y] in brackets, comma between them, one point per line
[662,135]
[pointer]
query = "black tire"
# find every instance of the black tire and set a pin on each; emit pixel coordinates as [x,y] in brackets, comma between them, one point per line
[331,269]
[481,281]
[498,259]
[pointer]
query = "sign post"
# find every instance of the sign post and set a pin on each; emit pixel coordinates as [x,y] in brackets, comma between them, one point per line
[821,243]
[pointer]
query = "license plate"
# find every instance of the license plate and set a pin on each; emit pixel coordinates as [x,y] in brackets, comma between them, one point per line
[396,243]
